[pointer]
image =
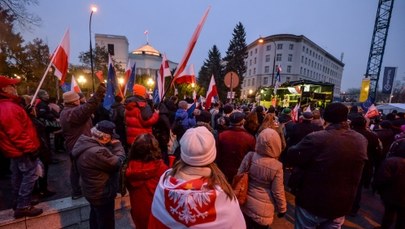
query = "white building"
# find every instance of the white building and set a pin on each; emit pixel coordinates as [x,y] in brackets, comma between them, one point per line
[116,45]
[299,58]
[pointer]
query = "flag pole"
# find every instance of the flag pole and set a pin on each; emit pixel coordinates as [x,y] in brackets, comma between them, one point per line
[47,70]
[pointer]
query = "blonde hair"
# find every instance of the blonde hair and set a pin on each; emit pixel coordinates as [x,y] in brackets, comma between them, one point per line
[268,122]
[216,177]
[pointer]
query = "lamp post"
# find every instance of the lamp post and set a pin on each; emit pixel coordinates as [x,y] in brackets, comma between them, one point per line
[274,63]
[81,80]
[93,9]
[150,84]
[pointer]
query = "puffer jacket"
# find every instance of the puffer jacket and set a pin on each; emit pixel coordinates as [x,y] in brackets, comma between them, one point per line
[99,167]
[266,188]
[139,117]
[141,179]
[17,132]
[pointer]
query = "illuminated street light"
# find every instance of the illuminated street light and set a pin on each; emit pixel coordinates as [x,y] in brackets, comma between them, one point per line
[81,80]
[121,81]
[150,83]
[93,9]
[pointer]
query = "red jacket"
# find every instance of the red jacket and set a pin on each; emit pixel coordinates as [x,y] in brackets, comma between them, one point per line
[139,117]
[141,180]
[17,132]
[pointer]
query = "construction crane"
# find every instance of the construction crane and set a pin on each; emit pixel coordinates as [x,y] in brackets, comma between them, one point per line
[379,39]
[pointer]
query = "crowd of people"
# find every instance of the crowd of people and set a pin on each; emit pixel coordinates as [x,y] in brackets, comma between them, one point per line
[177,159]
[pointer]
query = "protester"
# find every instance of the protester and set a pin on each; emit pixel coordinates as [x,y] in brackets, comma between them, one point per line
[145,166]
[183,119]
[99,159]
[233,144]
[20,142]
[117,117]
[390,183]
[302,129]
[270,121]
[266,188]
[139,115]
[195,193]
[330,164]
[75,119]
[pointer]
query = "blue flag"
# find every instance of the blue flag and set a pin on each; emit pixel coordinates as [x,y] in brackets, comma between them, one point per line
[191,109]
[131,80]
[65,87]
[111,85]
[156,98]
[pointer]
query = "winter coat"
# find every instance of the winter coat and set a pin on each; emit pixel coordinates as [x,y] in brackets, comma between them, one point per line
[186,121]
[266,187]
[99,168]
[139,117]
[117,117]
[233,144]
[188,202]
[141,179]
[331,163]
[300,130]
[17,132]
[76,120]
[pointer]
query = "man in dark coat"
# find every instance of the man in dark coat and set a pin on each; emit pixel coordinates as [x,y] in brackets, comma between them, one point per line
[75,120]
[300,130]
[233,144]
[99,158]
[330,162]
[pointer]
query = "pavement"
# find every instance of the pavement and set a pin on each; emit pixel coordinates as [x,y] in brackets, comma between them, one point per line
[368,216]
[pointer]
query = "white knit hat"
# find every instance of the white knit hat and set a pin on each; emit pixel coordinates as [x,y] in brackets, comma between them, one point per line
[198,147]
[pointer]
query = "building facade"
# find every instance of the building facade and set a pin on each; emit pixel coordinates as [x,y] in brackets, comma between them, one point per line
[116,45]
[298,57]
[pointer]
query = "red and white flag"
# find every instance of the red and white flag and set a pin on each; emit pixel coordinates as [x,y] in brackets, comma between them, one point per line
[60,58]
[187,76]
[191,204]
[211,93]
[191,44]
[372,112]
[164,72]
[74,86]
[294,112]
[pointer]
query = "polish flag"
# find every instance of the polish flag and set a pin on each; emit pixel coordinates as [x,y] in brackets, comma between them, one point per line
[294,113]
[372,112]
[211,93]
[187,76]
[60,59]
[191,44]
[164,72]
[74,86]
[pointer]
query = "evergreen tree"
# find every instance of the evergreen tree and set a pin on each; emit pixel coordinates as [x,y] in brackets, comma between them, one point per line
[236,55]
[213,66]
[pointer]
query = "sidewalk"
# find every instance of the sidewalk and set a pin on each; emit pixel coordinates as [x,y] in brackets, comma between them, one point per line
[368,217]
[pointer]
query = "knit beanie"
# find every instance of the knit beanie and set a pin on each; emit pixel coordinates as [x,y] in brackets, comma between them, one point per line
[197,147]
[139,90]
[335,113]
[70,96]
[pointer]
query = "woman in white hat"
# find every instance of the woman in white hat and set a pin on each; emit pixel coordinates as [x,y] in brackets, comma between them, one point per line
[195,193]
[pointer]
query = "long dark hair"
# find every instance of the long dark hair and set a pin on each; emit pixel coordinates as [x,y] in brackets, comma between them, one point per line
[145,148]
[215,178]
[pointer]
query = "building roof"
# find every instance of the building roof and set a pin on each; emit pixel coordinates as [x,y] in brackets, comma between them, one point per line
[146,49]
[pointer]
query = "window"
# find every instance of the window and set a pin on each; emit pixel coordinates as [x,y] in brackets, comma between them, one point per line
[279,46]
[254,61]
[289,57]
[265,80]
[250,62]
[266,69]
[251,52]
[289,68]
[250,73]
[278,58]
[301,70]
[110,48]
[291,46]
[303,48]
[268,47]
[267,58]
[253,82]
[302,59]
[254,71]
[255,50]
[306,60]
[248,82]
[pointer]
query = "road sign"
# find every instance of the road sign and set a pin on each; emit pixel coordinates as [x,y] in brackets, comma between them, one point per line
[231,80]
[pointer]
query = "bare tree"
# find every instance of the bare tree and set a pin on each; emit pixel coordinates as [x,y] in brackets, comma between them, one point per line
[18,9]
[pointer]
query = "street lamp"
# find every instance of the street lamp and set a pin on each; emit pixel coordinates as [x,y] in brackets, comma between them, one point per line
[93,9]
[121,81]
[81,80]
[150,83]
[274,63]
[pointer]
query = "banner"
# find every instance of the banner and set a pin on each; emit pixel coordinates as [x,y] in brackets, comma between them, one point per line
[388,80]
[365,87]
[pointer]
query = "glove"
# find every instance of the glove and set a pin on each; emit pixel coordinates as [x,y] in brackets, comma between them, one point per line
[281,214]
[28,108]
